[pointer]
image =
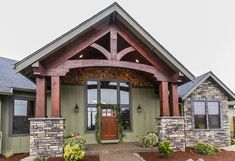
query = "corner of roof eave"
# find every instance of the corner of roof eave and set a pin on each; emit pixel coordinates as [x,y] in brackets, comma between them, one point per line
[19,66]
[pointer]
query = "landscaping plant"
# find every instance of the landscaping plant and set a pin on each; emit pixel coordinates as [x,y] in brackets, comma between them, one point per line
[73,153]
[76,139]
[165,148]
[233,141]
[75,146]
[204,148]
[8,154]
[149,140]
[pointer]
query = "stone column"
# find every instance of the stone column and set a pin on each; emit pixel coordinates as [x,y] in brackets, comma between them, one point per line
[172,129]
[47,137]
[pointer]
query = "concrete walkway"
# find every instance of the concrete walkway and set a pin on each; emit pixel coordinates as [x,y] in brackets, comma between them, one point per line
[229,148]
[119,157]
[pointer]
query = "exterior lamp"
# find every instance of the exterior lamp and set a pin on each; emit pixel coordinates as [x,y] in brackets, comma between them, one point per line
[76,108]
[139,109]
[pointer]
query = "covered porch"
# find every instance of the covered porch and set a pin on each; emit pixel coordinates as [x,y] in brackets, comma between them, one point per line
[105,57]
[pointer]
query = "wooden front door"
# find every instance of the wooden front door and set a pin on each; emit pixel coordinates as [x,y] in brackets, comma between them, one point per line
[109,124]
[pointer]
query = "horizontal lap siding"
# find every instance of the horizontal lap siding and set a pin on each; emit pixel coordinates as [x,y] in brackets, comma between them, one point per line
[142,122]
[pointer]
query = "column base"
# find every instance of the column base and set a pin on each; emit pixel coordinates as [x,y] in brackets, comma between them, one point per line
[47,137]
[172,129]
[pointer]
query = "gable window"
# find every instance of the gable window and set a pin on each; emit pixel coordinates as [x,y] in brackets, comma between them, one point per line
[206,115]
[22,110]
[108,92]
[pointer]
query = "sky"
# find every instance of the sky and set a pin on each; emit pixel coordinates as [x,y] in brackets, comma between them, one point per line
[199,33]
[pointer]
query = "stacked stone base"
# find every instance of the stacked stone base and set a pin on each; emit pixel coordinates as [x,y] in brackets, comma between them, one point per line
[172,129]
[47,137]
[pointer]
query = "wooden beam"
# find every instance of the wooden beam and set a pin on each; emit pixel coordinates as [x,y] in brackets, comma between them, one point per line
[164,101]
[76,47]
[55,96]
[174,103]
[105,52]
[147,54]
[113,44]
[41,98]
[123,52]
[70,64]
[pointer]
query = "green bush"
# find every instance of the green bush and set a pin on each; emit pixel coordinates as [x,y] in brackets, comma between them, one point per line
[76,139]
[233,141]
[204,148]
[73,153]
[149,140]
[165,148]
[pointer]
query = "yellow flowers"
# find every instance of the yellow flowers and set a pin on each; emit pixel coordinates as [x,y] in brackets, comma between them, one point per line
[73,153]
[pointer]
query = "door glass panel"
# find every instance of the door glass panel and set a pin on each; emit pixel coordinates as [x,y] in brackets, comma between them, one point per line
[92,92]
[124,93]
[108,92]
[91,118]
[104,113]
[125,118]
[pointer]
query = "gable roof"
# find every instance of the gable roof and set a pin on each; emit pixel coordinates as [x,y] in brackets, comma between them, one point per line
[127,20]
[186,89]
[10,79]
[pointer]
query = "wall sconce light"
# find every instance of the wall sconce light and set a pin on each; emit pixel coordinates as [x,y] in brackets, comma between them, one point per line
[139,109]
[76,108]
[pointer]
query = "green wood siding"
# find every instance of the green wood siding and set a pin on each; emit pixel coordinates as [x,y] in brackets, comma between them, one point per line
[74,94]
[141,122]
[16,144]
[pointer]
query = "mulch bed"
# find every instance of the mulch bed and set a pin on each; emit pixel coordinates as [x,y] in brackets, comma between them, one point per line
[189,154]
[17,157]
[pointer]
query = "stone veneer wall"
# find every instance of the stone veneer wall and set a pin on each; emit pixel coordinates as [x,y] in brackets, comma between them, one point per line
[172,129]
[211,91]
[47,137]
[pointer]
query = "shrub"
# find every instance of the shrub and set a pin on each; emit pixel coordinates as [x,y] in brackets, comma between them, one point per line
[73,153]
[8,154]
[76,139]
[204,148]
[165,148]
[233,141]
[149,140]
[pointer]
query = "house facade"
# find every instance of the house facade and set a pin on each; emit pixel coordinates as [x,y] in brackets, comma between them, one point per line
[110,60]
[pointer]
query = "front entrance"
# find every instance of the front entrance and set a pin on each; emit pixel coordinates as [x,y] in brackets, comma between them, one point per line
[109,124]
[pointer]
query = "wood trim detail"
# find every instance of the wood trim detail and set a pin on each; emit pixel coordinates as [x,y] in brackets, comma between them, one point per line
[102,50]
[55,96]
[70,64]
[124,52]
[164,101]
[41,100]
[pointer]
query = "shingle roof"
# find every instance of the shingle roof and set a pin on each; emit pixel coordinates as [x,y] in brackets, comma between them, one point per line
[186,89]
[10,79]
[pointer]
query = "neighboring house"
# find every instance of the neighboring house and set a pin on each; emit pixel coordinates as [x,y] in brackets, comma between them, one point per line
[17,99]
[111,59]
